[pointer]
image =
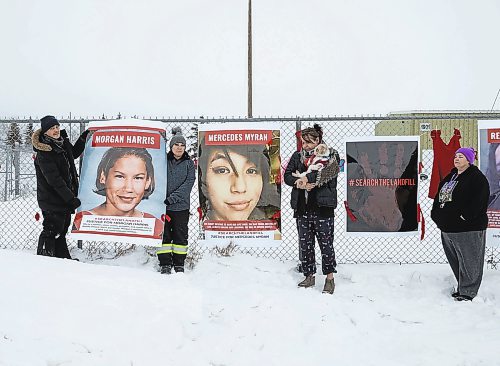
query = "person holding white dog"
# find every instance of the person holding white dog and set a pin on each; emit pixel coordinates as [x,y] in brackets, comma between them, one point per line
[314,199]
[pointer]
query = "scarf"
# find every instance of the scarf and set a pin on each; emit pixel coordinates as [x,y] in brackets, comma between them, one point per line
[304,155]
[58,143]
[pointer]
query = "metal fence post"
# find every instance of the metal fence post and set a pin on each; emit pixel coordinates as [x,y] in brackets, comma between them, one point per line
[7,165]
[17,170]
[79,243]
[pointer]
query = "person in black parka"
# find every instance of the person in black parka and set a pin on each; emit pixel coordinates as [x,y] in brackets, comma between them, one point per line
[459,211]
[57,184]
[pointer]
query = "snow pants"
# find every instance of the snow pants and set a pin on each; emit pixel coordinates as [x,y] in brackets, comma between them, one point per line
[465,254]
[310,226]
[52,240]
[175,239]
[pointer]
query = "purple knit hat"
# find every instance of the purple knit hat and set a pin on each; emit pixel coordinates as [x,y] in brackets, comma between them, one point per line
[468,152]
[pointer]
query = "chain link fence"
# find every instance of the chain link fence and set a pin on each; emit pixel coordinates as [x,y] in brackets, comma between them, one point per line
[19,228]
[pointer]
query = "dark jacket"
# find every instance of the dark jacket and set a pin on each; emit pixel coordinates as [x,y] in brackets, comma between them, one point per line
[56,176]
[180,181]
[326,194]
[469,200]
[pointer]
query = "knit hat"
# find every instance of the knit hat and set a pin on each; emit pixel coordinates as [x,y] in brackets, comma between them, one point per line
[48,122]
[177,137]
[468,152]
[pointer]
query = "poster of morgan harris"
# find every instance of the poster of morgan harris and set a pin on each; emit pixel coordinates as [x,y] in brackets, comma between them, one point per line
[382,186]
[123,183]
[239,183]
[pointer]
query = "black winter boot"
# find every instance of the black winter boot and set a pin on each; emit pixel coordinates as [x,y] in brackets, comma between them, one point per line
[463,298]
[166,269]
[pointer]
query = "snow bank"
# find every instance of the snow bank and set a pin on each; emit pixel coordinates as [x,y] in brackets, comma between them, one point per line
[238,311]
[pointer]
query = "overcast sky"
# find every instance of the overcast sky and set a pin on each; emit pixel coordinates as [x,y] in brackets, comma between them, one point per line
[189,58]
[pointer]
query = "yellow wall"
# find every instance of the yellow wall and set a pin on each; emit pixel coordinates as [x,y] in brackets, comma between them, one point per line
[467,127]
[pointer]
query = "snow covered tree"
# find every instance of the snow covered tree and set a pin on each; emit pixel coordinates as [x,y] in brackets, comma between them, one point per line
[13,135]
[28,133]
[192,137]
[14,139]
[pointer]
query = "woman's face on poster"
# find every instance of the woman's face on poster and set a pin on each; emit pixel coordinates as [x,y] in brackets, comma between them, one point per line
[497,158]
[126,183]
[233,189]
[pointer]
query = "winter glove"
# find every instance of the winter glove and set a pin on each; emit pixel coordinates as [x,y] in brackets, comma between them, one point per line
[64,134]
[75,203]
[84,134]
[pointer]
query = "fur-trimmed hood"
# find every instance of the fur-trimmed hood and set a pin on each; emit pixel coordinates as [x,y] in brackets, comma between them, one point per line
[37,144]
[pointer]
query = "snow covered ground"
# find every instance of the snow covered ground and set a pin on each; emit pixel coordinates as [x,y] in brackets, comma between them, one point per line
[238,310]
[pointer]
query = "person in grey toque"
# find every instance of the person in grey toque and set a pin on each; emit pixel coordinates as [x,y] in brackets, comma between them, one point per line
[180,181]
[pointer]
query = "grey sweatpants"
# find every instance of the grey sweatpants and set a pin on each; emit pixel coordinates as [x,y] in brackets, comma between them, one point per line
[465,254]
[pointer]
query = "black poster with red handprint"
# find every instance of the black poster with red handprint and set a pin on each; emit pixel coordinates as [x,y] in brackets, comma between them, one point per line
[382,185]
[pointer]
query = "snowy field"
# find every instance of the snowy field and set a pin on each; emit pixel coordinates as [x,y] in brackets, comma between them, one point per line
[238,310]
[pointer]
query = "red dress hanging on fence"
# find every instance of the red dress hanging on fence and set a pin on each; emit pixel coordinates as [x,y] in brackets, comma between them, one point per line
[443,158]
